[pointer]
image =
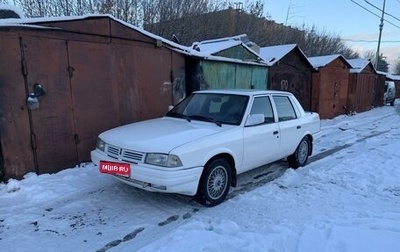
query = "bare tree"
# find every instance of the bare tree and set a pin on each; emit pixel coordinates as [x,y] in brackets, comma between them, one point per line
[149,12]
[382,63]
[397,66]
[33,8]
[247,19]
[47,8]
[318,43]
[211,19]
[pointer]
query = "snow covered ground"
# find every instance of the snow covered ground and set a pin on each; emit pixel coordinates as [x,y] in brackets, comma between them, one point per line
[346,199]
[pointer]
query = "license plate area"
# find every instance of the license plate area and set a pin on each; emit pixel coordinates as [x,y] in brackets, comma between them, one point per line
[115,168]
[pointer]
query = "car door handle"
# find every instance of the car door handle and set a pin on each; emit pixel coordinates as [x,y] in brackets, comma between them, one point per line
[299,127]
[276,132]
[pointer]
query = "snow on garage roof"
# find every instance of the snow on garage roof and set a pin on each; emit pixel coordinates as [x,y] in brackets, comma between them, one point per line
[358,65]
[272,54]
[393,77]
[215,47]
[219,44]
[321,61]
[32,21]
[208,48]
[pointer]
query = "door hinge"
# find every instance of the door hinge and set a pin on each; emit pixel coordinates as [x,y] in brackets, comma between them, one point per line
[24,67]
[33,141]
[76,138]
[71,71]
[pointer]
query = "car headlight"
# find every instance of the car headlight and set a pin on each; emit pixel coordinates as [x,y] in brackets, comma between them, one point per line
[165,160]
[100,144]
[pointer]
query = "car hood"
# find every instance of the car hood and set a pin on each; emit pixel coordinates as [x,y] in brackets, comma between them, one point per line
[159,135]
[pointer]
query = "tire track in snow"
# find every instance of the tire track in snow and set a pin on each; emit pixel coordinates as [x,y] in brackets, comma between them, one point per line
[275,170]
[158,230]
[126,238]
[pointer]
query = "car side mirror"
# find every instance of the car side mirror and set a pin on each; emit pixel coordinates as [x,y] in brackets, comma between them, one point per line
[254,119]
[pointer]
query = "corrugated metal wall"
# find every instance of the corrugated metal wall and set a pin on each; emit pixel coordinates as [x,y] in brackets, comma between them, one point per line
[238,52]
[93,82]
[361,91]
[330,89]
[292,74]
[224,75]
[379,90]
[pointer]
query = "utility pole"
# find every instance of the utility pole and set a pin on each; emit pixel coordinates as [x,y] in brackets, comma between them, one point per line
[380,35]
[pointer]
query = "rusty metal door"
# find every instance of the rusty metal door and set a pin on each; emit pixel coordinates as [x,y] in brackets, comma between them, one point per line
[14,123]
[337,108]
[94,93]
[296,82]
[153,71]
[52,122]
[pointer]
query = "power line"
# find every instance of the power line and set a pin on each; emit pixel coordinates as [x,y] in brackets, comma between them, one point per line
[365,9]
[391,23]
[376,15]
[370,41]
[390,15]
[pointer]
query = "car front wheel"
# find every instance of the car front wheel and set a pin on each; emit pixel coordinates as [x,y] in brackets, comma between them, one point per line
[300,156]
[214,183]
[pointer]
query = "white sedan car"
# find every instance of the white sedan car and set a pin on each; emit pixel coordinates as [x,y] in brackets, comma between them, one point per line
[205,141]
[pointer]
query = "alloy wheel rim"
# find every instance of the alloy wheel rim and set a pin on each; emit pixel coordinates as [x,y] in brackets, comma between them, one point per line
[217,182]
[303,152]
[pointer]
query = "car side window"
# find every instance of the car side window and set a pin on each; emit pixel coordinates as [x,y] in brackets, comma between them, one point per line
[262,105]
[284,108]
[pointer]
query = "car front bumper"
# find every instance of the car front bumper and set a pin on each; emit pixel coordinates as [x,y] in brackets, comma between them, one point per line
[158,179]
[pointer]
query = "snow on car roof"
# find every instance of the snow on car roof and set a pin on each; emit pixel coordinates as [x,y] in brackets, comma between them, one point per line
[243,91]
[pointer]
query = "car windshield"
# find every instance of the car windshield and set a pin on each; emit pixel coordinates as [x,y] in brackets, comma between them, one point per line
[211,107]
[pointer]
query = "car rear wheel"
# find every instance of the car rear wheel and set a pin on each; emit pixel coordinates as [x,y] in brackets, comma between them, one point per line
[214,183]
[300,156]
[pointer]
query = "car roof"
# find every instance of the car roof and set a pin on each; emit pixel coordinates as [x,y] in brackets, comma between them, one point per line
[249,92]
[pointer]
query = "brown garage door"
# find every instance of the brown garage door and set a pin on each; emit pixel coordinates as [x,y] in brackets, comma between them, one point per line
[94,96]
[52,123]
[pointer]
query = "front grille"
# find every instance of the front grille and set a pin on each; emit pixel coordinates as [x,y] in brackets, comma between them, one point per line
[132,155]
[124,154]
[114,151]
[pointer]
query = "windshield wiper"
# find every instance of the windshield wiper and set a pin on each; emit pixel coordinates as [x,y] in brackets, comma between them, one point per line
[179,115]
[205,118]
